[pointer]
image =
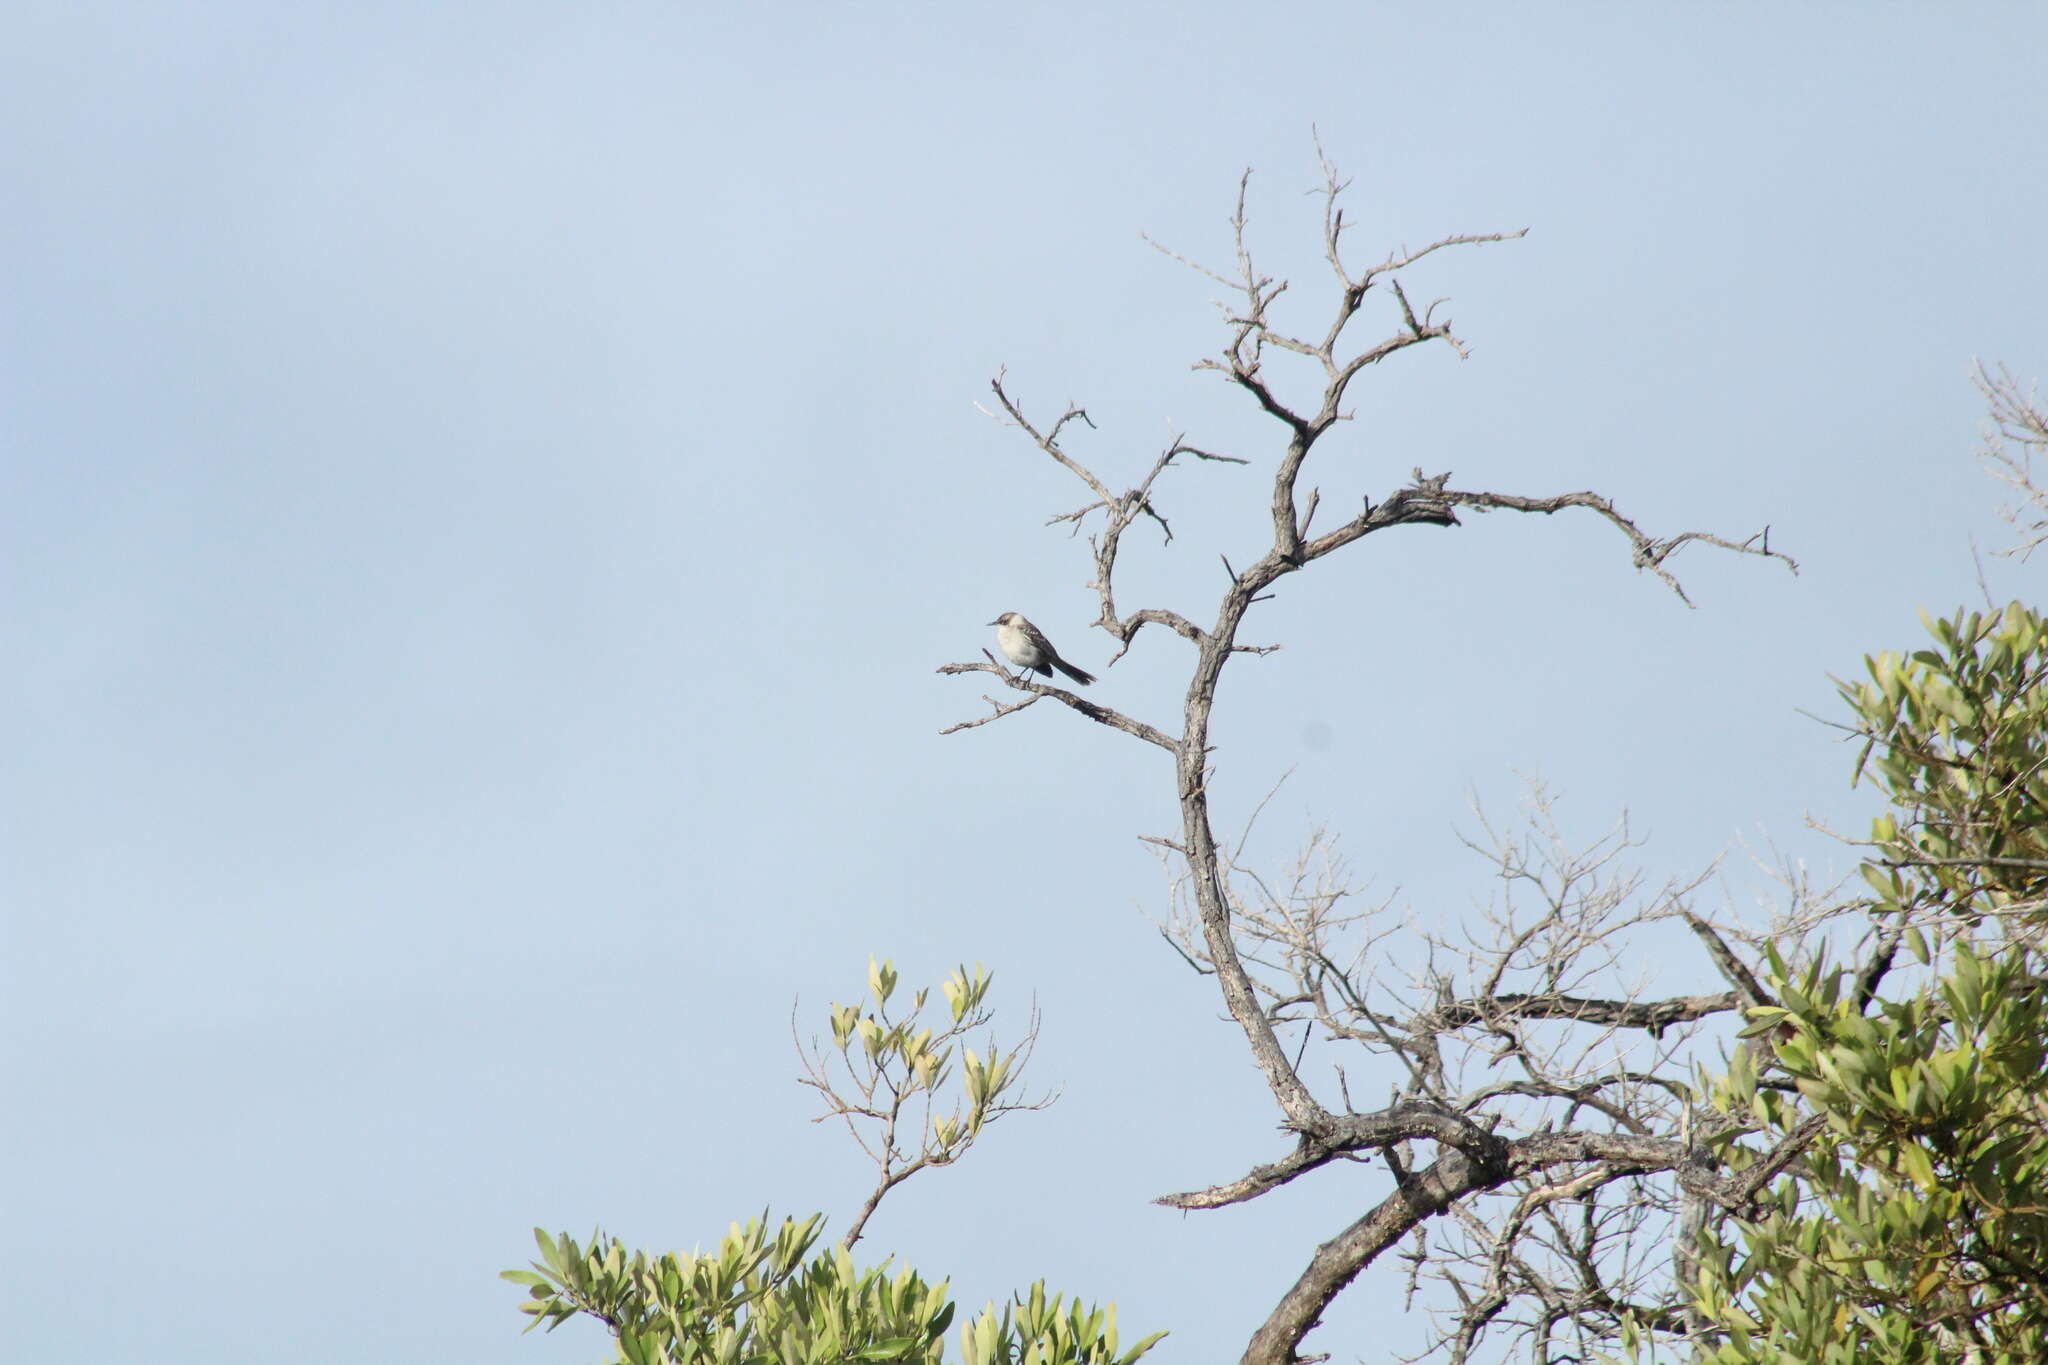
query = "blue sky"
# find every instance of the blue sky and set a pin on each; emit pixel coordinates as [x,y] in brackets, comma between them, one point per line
[484,491]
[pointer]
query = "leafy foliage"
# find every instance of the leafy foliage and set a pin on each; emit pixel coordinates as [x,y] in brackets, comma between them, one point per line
[1958,737]
[1917,1230]
[767,1298]
[1919,1233]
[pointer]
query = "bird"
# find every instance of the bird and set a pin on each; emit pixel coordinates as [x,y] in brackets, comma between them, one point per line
[1028,648]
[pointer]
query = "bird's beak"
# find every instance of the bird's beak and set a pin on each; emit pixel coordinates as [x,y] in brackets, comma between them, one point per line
[998,621]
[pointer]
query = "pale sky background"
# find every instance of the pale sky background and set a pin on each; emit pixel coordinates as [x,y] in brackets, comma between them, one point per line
[484,491]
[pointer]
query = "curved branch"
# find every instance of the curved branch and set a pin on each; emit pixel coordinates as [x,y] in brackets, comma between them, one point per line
[1648,554]
[1341,1136]
[1458,1173]
[1337,1262]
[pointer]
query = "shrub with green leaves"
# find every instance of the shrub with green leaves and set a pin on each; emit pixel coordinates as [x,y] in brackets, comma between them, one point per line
[1915,1229]
[762,1300]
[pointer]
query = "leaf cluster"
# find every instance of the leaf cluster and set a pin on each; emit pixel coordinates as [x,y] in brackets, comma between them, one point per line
[1958,738]
[890,1062]
[763,1299]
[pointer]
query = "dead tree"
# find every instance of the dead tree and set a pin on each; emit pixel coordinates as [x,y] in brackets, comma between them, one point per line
[1541,1145]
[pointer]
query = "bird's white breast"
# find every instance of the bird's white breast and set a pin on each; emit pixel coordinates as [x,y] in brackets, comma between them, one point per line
[1017,645]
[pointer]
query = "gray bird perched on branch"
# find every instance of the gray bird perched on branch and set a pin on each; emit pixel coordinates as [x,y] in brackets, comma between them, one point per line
[1028,648]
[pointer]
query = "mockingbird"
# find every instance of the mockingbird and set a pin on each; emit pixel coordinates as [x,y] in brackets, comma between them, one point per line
[1031,651]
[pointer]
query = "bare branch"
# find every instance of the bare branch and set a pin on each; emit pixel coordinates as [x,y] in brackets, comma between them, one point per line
[1338,1261]
[1654,1016]
[1464,1171]
[2019,432]
[1747,989]
[1648,553]
[1338,1137]
[1049,441]
[1101,715]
